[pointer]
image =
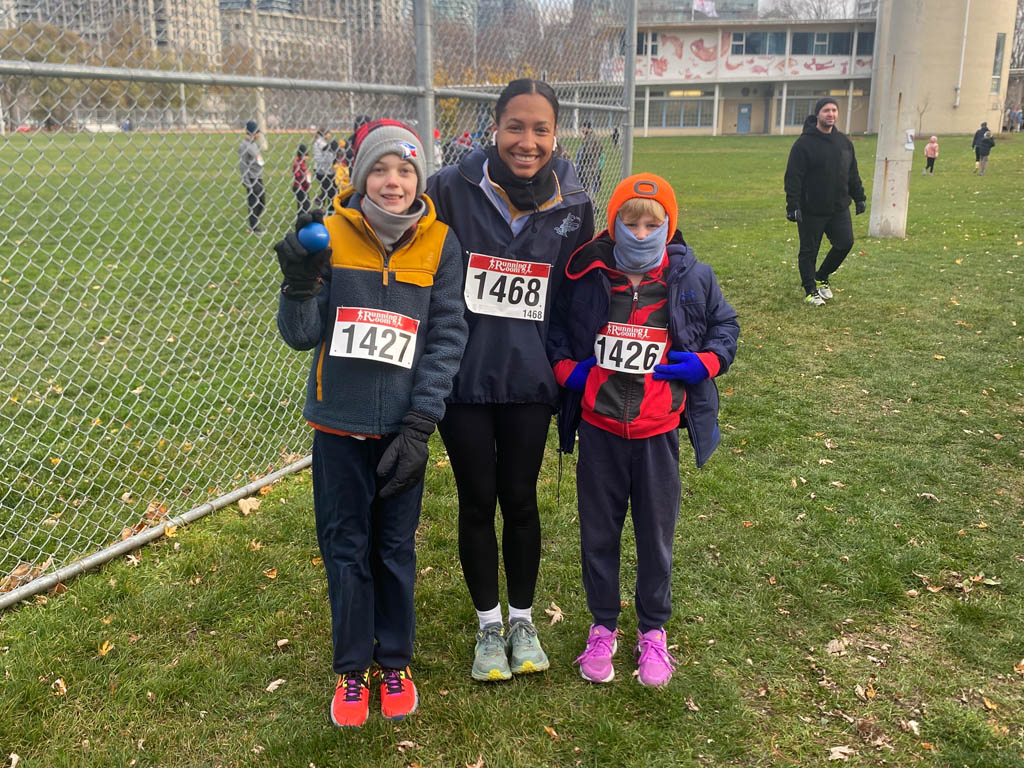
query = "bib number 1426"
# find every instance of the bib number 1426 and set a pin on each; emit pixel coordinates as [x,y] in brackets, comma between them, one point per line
[630,348]
[506,287]
[373,334]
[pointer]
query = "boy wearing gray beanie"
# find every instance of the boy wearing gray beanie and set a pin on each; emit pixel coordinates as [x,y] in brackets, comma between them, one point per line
[382,307]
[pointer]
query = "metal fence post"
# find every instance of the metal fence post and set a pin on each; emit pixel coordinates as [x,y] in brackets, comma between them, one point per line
[629,88]
[425,80]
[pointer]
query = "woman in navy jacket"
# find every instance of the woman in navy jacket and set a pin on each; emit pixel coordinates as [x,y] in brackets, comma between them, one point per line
[519,213]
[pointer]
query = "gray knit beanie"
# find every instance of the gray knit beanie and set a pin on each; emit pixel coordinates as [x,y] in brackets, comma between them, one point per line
[386,137]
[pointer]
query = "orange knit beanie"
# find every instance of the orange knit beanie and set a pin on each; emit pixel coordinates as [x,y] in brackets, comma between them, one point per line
[644,185]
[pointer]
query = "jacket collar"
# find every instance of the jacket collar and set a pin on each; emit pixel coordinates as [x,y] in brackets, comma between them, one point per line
[599,254]
[471,168]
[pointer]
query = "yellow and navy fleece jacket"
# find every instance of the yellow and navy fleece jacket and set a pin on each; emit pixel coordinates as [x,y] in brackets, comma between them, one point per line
[421,279]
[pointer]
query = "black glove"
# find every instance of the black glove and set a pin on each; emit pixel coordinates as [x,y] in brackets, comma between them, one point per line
[302,270]
[305,219]
[860,206]
[795,215]
[407,456]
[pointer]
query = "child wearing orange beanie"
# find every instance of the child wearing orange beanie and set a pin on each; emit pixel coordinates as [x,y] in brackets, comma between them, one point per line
[639,332]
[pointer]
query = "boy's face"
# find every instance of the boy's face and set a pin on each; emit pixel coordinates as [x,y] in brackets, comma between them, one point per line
[644,225]
[392,184]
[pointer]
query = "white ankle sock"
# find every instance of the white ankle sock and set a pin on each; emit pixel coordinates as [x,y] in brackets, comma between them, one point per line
[493,616]
[522,614]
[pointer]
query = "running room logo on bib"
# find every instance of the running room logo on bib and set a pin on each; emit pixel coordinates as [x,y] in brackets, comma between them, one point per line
[374,334]
[506,287]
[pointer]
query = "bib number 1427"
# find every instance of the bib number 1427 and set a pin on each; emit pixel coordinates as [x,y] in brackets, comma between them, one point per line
[506,287]
[373,334]
[630,348]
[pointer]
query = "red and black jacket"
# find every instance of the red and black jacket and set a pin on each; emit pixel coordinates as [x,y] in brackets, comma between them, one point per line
[681,295]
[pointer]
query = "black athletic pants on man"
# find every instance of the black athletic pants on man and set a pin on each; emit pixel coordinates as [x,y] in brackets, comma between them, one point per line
[496,452]
[839,229]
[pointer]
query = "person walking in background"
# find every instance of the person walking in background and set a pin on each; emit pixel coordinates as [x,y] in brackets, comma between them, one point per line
[300,179]
[984,148]
[931,151]
[323,167]
[381,308]
[821,179]
[250,166]
[519,213]
[589,159]
[637,287]
[976,145]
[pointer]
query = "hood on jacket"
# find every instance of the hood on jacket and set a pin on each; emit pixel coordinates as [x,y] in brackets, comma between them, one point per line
[471,167]
[599,254]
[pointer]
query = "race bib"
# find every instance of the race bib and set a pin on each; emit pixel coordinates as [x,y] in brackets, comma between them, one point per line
[630,348]
[506,287]
[374,334]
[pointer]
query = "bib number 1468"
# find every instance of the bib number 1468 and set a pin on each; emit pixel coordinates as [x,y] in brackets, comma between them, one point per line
[506,287]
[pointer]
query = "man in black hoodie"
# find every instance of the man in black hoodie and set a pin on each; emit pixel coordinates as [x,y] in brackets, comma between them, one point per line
[821,179]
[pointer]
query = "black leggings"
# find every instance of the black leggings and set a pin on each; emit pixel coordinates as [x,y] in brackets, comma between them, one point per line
[496,453]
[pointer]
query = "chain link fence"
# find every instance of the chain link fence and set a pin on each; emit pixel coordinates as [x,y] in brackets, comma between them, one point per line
[144,383]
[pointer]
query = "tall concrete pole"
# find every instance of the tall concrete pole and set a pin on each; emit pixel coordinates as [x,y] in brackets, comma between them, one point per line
[629,89]
[425,80]
[898,75]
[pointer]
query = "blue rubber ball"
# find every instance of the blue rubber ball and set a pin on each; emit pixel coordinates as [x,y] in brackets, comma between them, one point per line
[314,237]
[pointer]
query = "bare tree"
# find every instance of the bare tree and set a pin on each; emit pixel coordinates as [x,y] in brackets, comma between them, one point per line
[1017,50]
[809,9]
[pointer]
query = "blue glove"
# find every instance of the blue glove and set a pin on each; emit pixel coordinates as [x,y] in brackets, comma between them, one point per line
[577,380]
[686,367]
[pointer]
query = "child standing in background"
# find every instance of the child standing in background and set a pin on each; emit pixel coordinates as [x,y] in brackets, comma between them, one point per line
[300,179]
[931,151]
[639,331]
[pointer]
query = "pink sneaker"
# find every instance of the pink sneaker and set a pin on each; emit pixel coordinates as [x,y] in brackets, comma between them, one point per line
[596,662]
[654,663]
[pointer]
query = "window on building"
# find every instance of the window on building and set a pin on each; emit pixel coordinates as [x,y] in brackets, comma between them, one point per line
[797,110]
[802,43]
[777,43]
[865,43]
[997,64]
[820,43]
[646,43]
[638,115]
[737,43]
[755,43]
[839,43]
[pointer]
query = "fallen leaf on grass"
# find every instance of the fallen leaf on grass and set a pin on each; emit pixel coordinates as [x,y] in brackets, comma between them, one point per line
[14,760]
[406,744]
[478,764]
[275,685]
[990,705]
[1019,668]
[170,531]
[911,726]
[928,496]
[282,642]
[691,704]
[59,687]
[255,546]
[551,732]
[105,648]
[831,444]
[927,745]
[939,357]
[133,560]
[270,573]
[837,646]
[248,506]
[555,613]
[840,753]
[837,484]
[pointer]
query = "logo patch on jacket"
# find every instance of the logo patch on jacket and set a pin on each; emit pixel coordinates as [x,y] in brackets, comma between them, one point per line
[570,223]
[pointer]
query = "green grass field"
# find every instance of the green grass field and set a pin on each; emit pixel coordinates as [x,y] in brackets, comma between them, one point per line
[848,566]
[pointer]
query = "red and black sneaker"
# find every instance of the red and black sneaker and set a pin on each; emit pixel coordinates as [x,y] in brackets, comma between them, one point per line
[351,703]
[398,696]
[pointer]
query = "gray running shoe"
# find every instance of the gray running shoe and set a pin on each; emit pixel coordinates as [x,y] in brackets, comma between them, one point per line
[489,660]
[524,651]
